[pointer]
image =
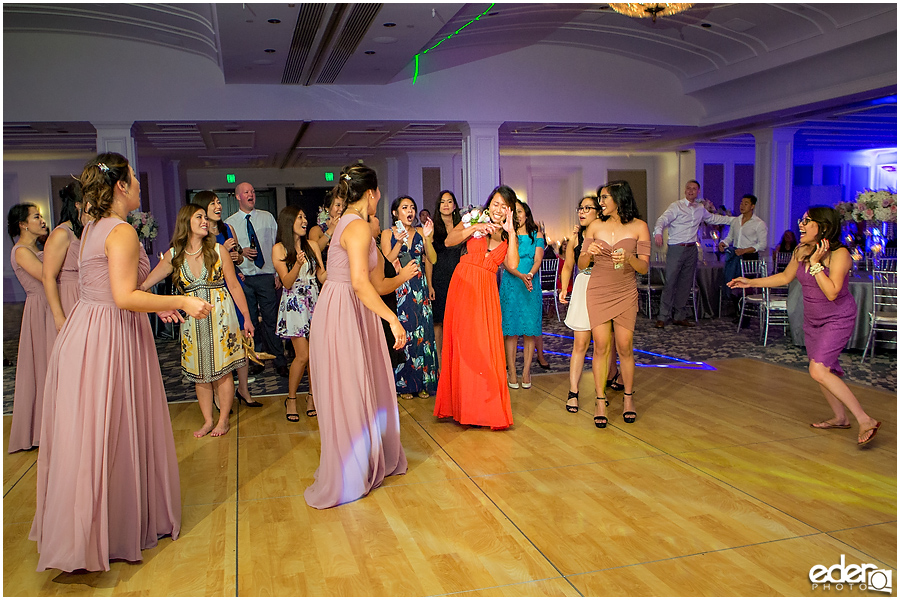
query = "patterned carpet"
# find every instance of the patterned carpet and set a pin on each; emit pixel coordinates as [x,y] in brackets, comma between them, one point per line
[711,340]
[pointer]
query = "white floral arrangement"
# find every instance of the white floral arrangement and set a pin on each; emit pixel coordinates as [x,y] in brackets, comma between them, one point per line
[878,205]
[474,216]
[322,217]
[145,224]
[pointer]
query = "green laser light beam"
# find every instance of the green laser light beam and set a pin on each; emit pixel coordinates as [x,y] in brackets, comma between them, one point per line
[416,74]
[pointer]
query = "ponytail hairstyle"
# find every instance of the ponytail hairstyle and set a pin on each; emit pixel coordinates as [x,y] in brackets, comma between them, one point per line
[354,181]
[17,214]
[285,236]
[98,180]
[180,240]
[509,196]
[596,202]
[620,190]
[829,222]
[440,229]
[71,196]
[531,227]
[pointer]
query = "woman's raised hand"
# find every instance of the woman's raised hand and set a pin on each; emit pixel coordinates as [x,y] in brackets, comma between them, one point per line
[428,228]
[820,251]
[508,223]
[739,282]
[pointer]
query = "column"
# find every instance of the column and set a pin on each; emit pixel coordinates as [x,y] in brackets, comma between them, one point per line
[391,191]
[773,178]
[117,137]
[481,161]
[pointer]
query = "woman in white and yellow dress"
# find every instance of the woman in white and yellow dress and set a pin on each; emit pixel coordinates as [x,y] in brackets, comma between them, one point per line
[210,348]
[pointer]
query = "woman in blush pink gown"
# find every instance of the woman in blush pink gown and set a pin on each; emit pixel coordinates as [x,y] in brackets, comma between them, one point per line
[38,332]
[61,255]
[107,477]
[351,374]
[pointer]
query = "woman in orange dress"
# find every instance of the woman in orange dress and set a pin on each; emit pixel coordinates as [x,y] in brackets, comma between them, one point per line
[472,386]
[619,243]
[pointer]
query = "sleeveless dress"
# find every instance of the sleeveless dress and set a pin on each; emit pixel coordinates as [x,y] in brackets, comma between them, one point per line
[35,344]
[297,303]
[211,347]
[441,274]
[107,477]
[612,293]
[67,280]
[827,324]
[419,371]
[398,357]
[520,309]
[472,387]
[356,400]
[221,238]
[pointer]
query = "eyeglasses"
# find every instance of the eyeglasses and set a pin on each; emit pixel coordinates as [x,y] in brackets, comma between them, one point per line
[585,208]
[804,221]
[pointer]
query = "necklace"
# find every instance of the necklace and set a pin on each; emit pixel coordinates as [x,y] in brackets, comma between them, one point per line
[359,213]
[195,253]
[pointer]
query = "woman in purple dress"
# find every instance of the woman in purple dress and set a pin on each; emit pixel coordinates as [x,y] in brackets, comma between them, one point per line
[351,375]
[107,475]
[821,265]
[37,334]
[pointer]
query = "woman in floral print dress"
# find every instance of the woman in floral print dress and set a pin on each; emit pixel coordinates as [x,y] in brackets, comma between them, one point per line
[210,348]
[419,373]
[298,264]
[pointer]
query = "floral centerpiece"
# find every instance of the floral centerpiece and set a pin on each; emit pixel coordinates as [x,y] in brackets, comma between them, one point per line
[473,216]
[145,224]
[879,205]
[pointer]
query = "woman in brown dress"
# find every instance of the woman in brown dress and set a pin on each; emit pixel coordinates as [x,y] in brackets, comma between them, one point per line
[619,243]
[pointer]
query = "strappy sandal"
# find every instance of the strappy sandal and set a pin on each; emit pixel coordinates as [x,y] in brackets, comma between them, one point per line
[569,407]
[600,421]
[292,417]
[613,384]
[629,415]
[310,412]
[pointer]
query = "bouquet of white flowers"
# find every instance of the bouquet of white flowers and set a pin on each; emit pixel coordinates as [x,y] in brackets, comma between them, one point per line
[145,224]
[473,216]
[880,205]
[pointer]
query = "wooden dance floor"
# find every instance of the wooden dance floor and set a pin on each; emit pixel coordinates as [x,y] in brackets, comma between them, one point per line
[720,488]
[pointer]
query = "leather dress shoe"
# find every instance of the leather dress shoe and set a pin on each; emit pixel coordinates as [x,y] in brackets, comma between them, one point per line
[660,324]
[684,323]
[255,369]
[283,371]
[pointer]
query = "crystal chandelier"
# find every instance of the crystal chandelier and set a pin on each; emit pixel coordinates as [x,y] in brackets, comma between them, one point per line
[643,10]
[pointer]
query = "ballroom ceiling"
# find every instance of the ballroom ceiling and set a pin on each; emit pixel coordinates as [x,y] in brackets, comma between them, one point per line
[315,44]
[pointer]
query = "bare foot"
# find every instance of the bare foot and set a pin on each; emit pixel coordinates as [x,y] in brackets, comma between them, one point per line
[207,427]
[220,430]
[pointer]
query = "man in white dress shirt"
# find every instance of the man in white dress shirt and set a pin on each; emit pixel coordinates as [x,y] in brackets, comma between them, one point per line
[255,231]
[746,237]
[683,219]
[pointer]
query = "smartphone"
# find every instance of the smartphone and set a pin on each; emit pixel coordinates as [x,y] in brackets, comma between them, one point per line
[401,228]
[404,258]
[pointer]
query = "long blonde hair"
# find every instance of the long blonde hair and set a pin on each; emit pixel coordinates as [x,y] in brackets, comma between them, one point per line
[180,240]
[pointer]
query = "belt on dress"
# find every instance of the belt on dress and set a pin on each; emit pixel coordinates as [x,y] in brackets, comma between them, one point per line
[685,244]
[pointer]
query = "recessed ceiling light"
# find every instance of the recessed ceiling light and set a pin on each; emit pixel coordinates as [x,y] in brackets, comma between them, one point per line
[269,50]
[493,14]
[707,25]
[389,24]
[370,52]
[274,21]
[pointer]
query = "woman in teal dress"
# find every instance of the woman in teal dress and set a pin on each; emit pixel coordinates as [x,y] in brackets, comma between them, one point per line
[520,297]
[419,372]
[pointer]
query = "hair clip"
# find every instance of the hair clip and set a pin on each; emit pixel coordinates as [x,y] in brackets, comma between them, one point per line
[103,167]
[345,177]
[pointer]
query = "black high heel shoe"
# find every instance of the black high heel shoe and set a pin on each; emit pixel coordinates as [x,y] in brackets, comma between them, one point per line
[292,417]
[569,407]
[310,412]
[600,421]
[250,403]
[613,384]
[629,416]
